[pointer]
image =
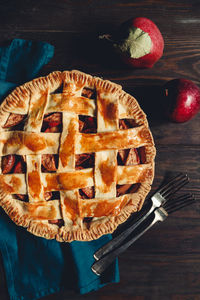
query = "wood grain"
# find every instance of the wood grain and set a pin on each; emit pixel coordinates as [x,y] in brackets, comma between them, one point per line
[164,263]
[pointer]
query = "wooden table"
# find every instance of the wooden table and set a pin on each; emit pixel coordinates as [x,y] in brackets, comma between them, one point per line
[164,263]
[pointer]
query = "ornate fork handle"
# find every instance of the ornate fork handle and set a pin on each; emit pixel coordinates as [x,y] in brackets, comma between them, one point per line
[110,246]
[99,266]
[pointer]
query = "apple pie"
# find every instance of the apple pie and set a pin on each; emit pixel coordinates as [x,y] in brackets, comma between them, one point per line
[77,156]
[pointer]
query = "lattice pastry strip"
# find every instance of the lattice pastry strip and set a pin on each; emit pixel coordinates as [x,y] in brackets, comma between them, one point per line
[35,185]
[27,143]
[37,107]
[100,207]
[16,183]
[133,174]
[84,178]
[72,101]
[71,207]
[68,142]
[41,211]
[60,181]
[69,198]
[107,112]
[105,174]
[113,140]
[13,184]
[78,105]
[106,161]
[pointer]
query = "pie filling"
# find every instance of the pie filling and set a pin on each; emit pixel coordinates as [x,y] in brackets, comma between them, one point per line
[87,124]
[89,93]
[52,122]
[49,163]
[15,121]
[13,164]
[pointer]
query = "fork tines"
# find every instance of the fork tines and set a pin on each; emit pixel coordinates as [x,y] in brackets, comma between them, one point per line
[174,185]
[173,205]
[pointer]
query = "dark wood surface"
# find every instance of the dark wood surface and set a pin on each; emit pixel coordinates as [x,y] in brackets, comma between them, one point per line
[164,263]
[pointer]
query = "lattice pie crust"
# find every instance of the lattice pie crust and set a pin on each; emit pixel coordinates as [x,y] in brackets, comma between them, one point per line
[70,216]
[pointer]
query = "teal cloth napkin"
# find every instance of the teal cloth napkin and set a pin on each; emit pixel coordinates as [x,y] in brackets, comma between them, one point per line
[35,267]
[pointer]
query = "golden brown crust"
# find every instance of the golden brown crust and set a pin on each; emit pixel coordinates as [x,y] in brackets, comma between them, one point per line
[18,102]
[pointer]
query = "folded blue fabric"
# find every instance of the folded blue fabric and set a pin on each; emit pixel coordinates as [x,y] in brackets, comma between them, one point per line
[36,267]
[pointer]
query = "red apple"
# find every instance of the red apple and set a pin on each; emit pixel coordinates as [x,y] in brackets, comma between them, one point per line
[138,42]
[181,100]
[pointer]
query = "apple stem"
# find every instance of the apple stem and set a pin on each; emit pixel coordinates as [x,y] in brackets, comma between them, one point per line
[106,37]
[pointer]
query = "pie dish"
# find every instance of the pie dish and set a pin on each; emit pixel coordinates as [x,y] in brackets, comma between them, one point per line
[77,156]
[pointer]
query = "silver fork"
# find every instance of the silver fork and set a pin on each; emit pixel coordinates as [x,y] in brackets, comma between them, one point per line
[159,198]
[159,214]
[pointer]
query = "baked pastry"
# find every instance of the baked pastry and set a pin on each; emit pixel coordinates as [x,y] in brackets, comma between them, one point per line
[77,156]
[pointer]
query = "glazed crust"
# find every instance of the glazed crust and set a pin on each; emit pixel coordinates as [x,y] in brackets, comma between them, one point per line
[34,215]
